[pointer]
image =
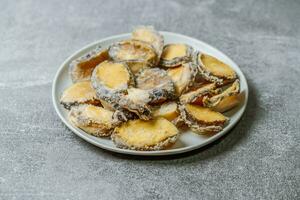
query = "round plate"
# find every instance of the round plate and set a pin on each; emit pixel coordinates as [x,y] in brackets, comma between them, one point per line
[188,140]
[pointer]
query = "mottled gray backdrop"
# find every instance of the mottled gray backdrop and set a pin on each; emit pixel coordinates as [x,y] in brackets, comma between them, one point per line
[41,159]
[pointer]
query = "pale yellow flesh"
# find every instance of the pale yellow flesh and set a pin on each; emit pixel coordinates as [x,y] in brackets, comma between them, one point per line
[86,67]
[139,133]
[181,77]
[232,90]
[197,94]
[217,67]
[93,130]
[113,75]
[227,103]
[92,119]
[138,96]
[144,35]
[173,51]
[204,114]
[134,51]
[135,67]
[98,114]
[79,92]
[167,110]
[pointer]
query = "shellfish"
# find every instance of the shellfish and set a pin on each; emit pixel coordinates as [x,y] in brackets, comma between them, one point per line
[213,69]
[202,120]
[175,54]
[157,83]
[137,54]
[81,68]
[183,77]
[94,120]
[150,35]
[79,93]
[150,135]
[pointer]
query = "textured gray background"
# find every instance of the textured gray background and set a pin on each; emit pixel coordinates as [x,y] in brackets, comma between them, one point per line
[41,159]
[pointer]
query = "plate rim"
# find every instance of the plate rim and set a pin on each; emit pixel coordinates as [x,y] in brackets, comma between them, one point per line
[145,153]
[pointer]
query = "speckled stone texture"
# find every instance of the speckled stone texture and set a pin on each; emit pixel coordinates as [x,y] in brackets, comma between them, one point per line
[41,159]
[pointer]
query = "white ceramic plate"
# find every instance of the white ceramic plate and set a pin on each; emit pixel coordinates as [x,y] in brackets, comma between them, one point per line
[188,140]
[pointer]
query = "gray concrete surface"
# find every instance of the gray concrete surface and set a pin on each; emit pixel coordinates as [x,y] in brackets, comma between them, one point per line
[41,159]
